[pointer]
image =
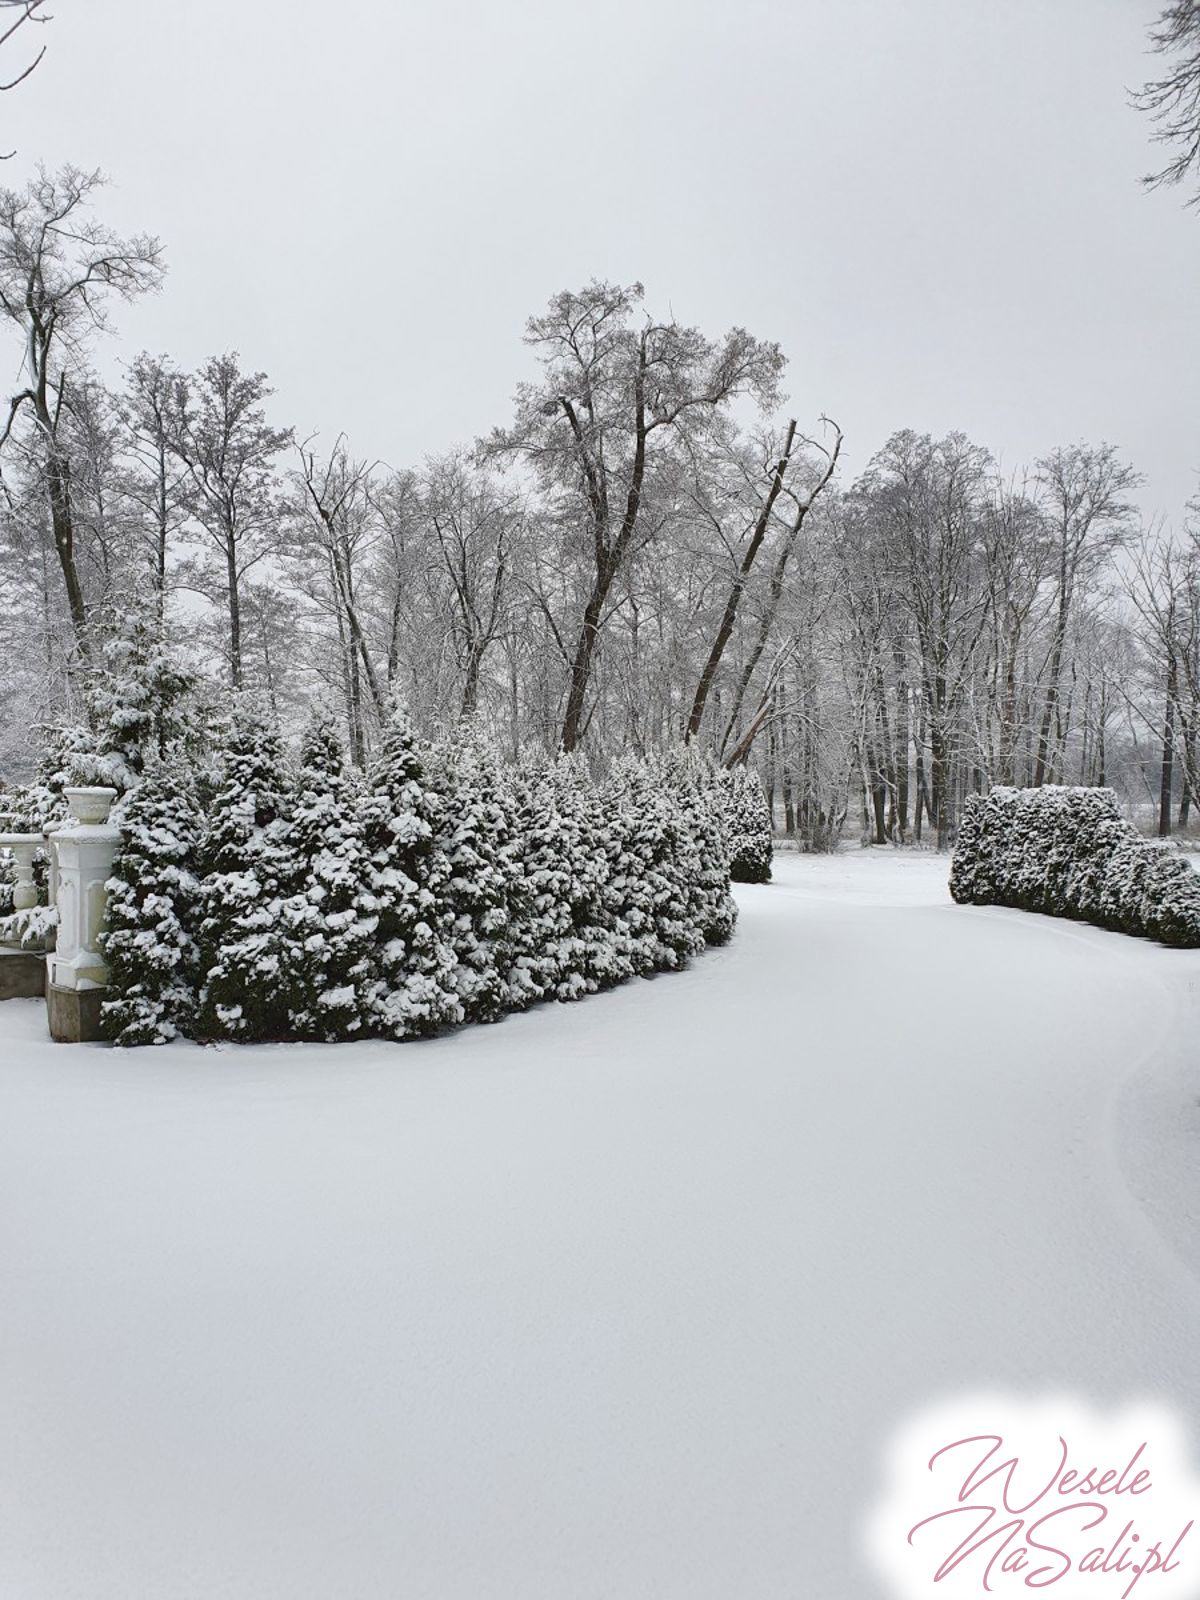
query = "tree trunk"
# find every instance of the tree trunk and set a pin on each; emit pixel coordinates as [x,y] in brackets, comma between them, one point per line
[161,533]
[235,614]
[1042,761]
[903,740]
[58,483]
[1166,780]
[1189,765]
[470,694]
[738,587]
[581,664]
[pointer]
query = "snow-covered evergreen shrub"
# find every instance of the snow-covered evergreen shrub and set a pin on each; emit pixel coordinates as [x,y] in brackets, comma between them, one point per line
[67,755]
[543,940]
[249,870]
[412,988]
[748,822]
[29,928]
[327,936]
[148,938]
[136,700]
[638,889]
[699,791]
[76,754]
[603,947]
[563,938]
[447,887]
[36,806]
[1171,908]
[1068,852]
[659,889]
[478,838]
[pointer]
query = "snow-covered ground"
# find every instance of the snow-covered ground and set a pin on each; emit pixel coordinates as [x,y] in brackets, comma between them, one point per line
[619,1299]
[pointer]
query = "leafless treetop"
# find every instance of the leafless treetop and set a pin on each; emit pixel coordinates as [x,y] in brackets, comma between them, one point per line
[1173,101]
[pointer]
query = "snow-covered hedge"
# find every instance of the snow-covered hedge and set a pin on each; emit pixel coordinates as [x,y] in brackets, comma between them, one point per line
[1069,852]
[442,887]
[148,939]
[749,824]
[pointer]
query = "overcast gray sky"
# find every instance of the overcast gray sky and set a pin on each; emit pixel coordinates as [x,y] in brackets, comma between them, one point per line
[932,204]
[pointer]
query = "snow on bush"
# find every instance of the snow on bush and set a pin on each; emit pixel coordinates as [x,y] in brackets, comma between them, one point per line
[153,905]
[1069,852]
[749,824]
[249,870]
[327,933]
[444,887]
[698,790]
[137,701]
[549,901]
[479,838]
[66,756]
[411,988]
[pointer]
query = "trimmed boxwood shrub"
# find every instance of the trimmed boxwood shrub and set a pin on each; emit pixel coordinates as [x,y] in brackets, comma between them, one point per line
[1068,852]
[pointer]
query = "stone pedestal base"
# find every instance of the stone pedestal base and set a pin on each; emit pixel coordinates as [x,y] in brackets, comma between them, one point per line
[22,975]
[73,1014]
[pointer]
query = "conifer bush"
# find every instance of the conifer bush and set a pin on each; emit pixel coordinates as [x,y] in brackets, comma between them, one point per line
[443,887]
[1068,852]
[249,869]
[545,948]
[153,902]
[328,936]
[713,908]
[478,836]
[749,825]
[412,986]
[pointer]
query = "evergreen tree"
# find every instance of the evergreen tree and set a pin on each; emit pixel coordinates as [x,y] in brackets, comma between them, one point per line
[69,754]
[412,988]
[542,931]
[596,953]
[648,914]
[477,837]
[137,699]
[153,897]
[700,788]
[748,823]
[250,870]
[327,934]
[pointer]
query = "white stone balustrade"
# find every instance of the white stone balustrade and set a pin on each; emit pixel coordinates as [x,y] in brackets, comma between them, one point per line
[22,964]
[24,847]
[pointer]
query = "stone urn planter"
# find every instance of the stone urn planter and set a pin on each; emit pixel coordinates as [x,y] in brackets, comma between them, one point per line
[89,804]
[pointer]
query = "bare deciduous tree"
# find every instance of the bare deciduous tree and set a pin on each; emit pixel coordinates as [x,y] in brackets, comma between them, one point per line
[15,17]
[1085,489]
[477,523]
[151,400]
[615,401]
[338,522]
[220,434]
[1173,101]
[57,267]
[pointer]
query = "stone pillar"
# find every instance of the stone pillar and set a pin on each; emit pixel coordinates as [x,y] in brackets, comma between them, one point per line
[84,850]
[22,967]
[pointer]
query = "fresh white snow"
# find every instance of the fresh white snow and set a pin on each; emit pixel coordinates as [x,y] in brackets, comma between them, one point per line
[612,1300]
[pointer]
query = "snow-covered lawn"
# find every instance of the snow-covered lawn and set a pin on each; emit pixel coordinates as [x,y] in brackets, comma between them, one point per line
[612,1300]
